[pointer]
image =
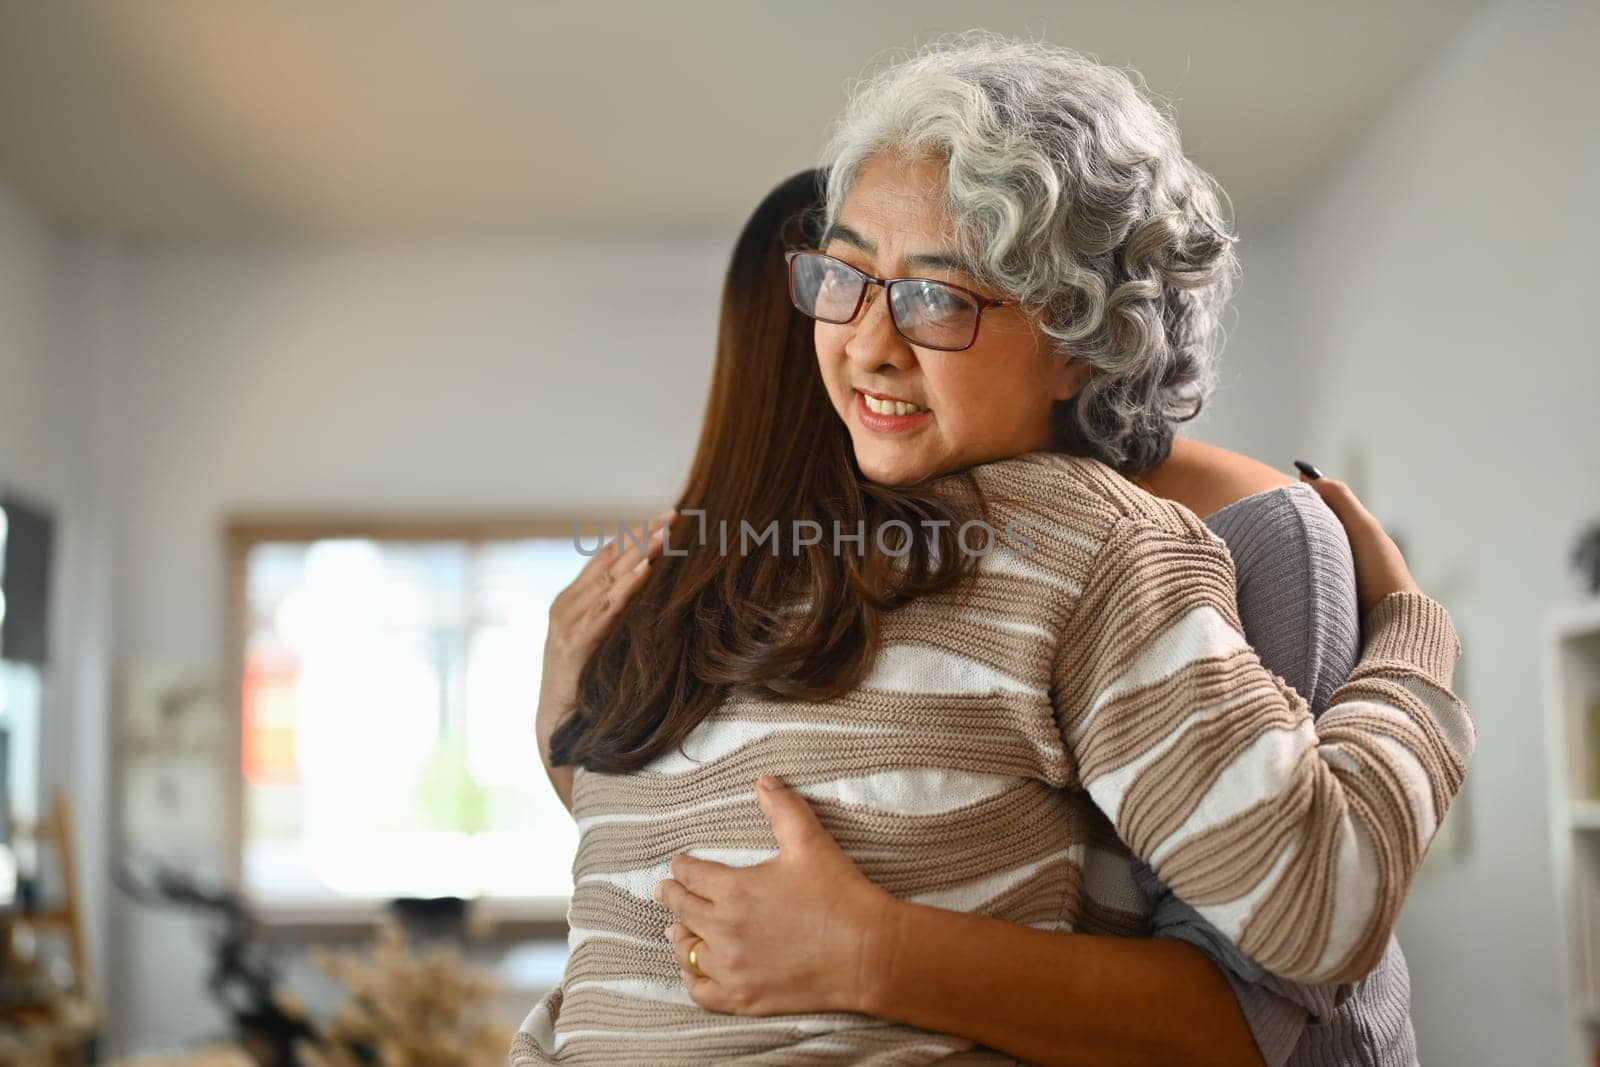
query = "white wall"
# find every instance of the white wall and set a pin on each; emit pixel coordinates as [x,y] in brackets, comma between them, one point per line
[1258,403]
[402,378]
[1439,282]
[33,462]
[47,396]
[29,399]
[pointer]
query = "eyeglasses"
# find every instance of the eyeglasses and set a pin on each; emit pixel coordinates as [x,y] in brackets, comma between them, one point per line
[927,313]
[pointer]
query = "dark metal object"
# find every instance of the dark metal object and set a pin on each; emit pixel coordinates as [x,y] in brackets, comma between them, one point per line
[1586,558]
[243,978]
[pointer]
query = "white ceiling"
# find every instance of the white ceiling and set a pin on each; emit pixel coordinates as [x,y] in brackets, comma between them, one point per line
[248,118]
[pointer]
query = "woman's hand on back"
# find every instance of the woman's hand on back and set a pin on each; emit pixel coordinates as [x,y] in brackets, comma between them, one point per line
[580,615]
[1380,568]
[801,932]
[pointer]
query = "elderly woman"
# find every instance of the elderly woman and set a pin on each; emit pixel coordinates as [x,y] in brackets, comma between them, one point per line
[1002,738]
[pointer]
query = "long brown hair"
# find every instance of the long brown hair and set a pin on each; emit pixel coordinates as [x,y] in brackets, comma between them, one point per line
[771,449]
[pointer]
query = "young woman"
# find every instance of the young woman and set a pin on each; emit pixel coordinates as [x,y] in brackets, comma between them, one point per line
[980,737]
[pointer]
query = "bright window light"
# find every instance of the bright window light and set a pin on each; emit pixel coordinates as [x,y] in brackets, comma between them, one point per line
[389,697]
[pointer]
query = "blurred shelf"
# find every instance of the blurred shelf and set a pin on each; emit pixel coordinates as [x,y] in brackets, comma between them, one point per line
[1577,620]
[1572,725]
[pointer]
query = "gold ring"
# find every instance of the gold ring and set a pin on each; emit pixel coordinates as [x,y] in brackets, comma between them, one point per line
[694,956]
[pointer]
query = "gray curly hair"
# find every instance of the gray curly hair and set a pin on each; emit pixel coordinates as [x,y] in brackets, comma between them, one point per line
[1067,190]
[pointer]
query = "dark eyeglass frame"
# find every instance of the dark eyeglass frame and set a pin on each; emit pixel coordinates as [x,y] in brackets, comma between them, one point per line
[983,302]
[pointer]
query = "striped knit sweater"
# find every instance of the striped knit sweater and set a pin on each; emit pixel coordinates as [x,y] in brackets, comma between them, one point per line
[1015,738]
[1297,600]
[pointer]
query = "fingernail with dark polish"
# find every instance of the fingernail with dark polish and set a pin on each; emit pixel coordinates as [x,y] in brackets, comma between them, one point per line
[1307,469]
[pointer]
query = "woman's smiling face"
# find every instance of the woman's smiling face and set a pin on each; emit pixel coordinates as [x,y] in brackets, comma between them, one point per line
[984,403]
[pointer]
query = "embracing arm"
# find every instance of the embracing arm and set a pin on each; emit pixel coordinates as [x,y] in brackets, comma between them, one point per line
[1055,998]
[1079,998]
[807,931]
[1298,840]
[1297,601]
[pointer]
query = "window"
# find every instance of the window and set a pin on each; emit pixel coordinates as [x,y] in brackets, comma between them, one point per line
[389,683]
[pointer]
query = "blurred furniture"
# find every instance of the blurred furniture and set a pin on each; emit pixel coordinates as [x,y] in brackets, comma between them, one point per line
[1572,721]
[48,1015]
[243,977]
[219,1056]
[27,539]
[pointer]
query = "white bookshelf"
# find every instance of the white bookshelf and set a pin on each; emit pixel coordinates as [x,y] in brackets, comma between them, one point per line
[1572,721]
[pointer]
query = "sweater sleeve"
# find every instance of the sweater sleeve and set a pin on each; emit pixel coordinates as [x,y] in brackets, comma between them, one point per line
[1297,839]
[1297,602]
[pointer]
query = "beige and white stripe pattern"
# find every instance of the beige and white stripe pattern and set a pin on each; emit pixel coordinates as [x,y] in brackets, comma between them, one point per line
[1012,735]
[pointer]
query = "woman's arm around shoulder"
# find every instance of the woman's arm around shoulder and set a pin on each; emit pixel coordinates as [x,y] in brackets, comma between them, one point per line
[1298,840]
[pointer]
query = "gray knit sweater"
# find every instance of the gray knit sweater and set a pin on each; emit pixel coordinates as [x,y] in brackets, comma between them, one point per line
[1297,601]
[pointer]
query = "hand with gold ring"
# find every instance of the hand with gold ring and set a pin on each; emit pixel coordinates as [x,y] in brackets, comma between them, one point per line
[801,932]
[689,949]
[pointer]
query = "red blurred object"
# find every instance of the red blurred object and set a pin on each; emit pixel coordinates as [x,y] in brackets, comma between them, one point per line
[271,720]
